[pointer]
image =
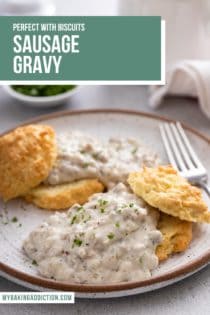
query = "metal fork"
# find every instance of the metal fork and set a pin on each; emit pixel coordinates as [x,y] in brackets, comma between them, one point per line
[182,155]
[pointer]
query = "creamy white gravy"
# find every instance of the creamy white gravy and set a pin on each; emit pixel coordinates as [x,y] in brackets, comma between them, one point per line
[81,156]
[110,239]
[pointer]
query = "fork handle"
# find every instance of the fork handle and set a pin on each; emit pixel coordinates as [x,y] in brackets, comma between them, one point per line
[205,187]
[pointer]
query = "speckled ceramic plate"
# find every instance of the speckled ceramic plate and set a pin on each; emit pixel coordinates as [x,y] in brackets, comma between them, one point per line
[23,218]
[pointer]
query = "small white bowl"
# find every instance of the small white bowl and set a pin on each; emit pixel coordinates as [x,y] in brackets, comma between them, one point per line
[41,101]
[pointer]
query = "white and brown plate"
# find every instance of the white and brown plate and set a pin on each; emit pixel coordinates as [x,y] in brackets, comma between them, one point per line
[15,266]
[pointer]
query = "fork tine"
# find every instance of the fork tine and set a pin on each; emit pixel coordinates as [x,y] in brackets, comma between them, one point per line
[167,146]
[174,148]
[192,153]
[182,147]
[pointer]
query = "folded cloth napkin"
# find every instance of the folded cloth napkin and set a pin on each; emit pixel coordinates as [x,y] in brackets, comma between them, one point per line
[186,78]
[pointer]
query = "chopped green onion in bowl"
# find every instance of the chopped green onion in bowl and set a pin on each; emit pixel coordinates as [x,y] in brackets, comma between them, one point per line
[42,90]
[41,96]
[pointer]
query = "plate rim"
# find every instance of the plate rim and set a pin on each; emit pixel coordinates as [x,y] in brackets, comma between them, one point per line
[123,286]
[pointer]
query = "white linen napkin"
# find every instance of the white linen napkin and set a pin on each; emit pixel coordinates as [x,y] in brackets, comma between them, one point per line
[186,78]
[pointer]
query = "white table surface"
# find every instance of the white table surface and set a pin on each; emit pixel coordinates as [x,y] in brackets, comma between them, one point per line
[190,296]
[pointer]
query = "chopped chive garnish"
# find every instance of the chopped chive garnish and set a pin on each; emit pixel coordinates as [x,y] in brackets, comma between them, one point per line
[134,150]
[102,202]
[85,165]
[110,236]
[73,219]
[131,205]
[34,262]
[117,224]
[140,260]
[95,155]
[14,219]
[77,242]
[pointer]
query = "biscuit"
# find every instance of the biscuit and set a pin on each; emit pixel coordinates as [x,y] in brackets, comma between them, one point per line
[27,155]
[63,196]
[163,188]
[177,235]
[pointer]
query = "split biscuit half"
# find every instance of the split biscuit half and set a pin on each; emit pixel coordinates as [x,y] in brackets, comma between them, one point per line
[163,188]
[177,235]
[63,196]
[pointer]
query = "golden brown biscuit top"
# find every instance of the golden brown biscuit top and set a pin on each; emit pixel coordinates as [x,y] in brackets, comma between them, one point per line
[163,188]
[27,155]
